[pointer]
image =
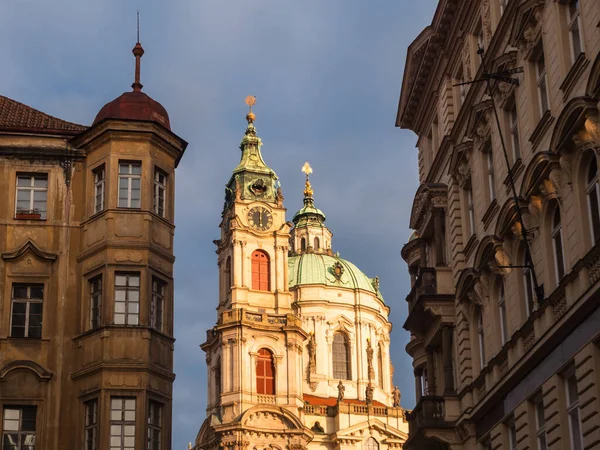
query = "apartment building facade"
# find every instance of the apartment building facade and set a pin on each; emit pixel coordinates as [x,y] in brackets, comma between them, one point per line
[504,259]
[86,276]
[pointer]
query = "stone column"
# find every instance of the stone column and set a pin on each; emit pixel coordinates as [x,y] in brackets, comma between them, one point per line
[280,268]
[418,383]
[447,357]
[431,390]
[422,254]
[438,229]
[246,271]
[237,262]
[285,268]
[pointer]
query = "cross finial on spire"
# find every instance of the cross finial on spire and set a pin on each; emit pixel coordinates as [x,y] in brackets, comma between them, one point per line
[250,101]
[138,51]
[308,192]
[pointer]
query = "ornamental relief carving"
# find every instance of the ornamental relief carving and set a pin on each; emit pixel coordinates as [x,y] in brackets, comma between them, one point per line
[467,62]
[486,20]
[586,141]
[549,189]
[532,29]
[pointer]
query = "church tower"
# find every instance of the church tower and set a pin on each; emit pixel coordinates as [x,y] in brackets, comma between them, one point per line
[299,356]
[256,335]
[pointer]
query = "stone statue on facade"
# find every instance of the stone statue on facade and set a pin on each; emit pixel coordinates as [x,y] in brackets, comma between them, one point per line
[396,395]
[312,353]
[341,389]
[369,393]
[279,197]
[370,359]
[238,189]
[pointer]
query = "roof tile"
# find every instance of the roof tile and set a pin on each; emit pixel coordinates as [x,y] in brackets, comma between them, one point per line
[17,116]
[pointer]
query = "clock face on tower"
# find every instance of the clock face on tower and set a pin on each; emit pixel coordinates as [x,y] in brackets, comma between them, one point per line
[260,218]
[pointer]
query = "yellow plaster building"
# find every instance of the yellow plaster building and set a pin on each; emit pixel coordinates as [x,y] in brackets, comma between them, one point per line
[86,276]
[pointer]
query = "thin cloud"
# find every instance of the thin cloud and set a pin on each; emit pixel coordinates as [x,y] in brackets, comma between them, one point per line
[327,76]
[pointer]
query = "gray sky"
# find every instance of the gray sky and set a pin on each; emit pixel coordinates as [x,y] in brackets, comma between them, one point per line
[326,74]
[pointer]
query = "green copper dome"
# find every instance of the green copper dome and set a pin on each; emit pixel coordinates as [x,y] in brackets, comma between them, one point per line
[314,268]
[308,215]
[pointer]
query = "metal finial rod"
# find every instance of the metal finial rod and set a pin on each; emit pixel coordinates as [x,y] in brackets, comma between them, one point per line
[138,26]
[528,257]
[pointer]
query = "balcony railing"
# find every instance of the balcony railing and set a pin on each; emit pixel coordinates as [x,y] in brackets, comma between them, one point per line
[351,408]
[267,399]
[429,413]
[425,284]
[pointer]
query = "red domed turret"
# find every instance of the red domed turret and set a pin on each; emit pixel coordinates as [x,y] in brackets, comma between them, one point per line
[135,105]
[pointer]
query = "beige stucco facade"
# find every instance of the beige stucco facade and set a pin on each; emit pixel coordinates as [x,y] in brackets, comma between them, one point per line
[313,297]
[495,365]
[67,373]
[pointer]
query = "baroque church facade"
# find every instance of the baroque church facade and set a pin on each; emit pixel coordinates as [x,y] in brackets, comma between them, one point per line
[299,355]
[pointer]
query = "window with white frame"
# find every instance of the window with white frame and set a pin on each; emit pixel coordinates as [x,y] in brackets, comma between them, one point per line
[122,423]
[19,427]
[91,425]
[471,210]
[528,287]
[462,88]
[160,190]
[27,309]
[572,395]
[95,301]
[127,298]
[99,186]
[130,182]
[557,245]
[491,176]
[481,338]
[540,423]
[541,79]
[479,35]
[157,303]
[593,198]
[424,385]
[154,425]
[32,195]
[502,312]
[574,23]
[514,132]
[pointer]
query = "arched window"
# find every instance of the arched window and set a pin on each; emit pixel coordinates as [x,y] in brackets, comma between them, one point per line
[341,360]
[593,198]
[228,273]
[380,365]
[302,244]
[260,270]
[557,245]
[502,312]
[480,338]
[371,444]
[316,246]
[265,373]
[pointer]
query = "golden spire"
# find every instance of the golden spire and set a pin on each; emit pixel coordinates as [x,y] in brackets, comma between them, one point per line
[250,100]
[308,192]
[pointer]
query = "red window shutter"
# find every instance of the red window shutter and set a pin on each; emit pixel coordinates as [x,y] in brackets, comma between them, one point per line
[265,373]
[260,271]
